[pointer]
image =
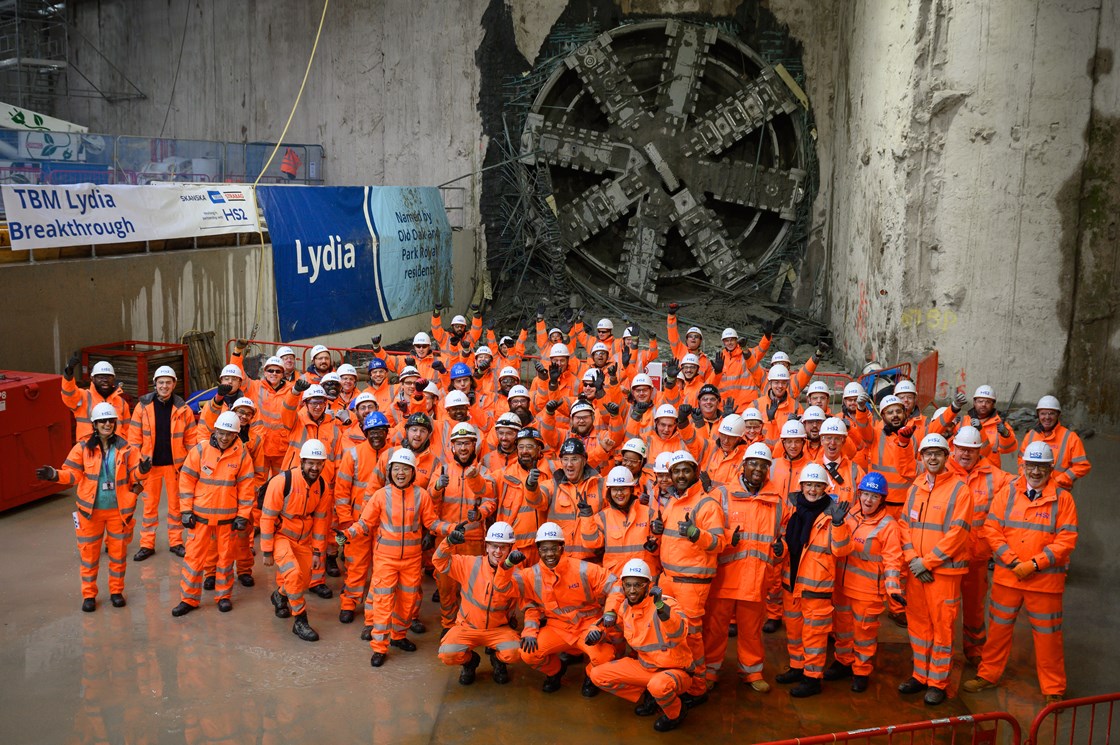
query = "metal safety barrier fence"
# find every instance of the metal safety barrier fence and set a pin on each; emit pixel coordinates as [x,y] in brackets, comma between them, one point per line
[1090,720]
[996,728]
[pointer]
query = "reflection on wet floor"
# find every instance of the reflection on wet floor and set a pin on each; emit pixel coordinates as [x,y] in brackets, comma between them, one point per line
[138,676]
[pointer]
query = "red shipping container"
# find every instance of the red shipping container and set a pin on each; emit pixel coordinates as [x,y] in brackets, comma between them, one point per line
[35,430]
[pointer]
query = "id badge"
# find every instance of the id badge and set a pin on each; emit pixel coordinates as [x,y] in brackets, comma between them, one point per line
[77,523]
[914,515]
[106,485]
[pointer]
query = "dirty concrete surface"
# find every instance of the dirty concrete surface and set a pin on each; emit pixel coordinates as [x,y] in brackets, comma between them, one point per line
[137,675]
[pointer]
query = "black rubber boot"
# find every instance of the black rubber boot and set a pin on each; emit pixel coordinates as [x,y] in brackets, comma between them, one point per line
[117,600]
[466,675]
[646,706]
[182,609]
[303,630]
[208,583]
[89,605]
[346,616]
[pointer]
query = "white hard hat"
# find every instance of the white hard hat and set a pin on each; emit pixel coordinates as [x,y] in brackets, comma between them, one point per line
[331,377]
[938,412]
[682,456]
[890,401]
[104,410]
[408,371]
[641,379]
[834,426]
[729,333]
[456,398]
[934,440]
[778,372]
[905,386]
[690,359]
[968,437]
[313,450]
[813,472]
[347,369]
[361,398]
[620,476]
[102,368]
[273,362]
[1048,402]
[463,431]
[164,371]
[459,321]
[314,391]
[244,401]
[793,430]
[555,331]
[1038,452]
[550,532]
[626,333]
[600,347]
[421,339]
[636,568]
[853,390]
[434,391]
[666,411]
[661,462]
[559,350]
[509,372]
[483,350]
[819,386]
[605,323]
[500,532]
[228,422]
[695,330]
[759,450]
[590,375]
[233,371]
[732,425]
[518,390]
[285,351]
[985,391]
[509,420]
[317,350]
[404,456]
[780,357]
[579,407]
[752,414]
[814,414]
[636,445]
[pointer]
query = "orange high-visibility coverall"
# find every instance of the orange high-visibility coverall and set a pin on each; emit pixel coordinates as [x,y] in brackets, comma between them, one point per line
[1043,531]
[489,597]
[563,509]
[689,568]
[571,598]
[866,577]
[984,481]
[1070,461]
[740,587]
[524,509]
[784,475]
[463,493]
[662,662]
[396,518]
[612,537]
[935,526]
[807,599]
[738,379]
[293,525]
[893,456]
[82,469]
[217,486]
[724,468]
[272,403]
[989,429]
[426,466]
[81,402]
[351,489]
[142,436]
[850,475]
[679,349]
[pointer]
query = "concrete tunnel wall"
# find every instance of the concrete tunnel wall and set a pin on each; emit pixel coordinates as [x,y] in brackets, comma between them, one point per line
[955,209]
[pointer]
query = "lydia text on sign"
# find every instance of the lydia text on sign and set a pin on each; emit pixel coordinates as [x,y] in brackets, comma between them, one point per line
[327,258]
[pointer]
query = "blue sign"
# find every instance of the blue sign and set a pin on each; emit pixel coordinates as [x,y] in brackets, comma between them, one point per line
[345,257]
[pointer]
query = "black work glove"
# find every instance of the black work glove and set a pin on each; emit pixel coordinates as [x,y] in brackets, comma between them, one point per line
[552,406]
[71,364]
[458,535]
[409,360]
[672,369]
[46,473]
[657,525]
[705,481]
[428,542]
[533,479]
[593,637]
[223,390]
[688,529]
[729,406]
[1002,428]
[301,385]
[187,520]
[584,508]
[717,362]
[838,510]
[612,409]
[777,547]
[898,598]
[736,536]
[516,556]
[482,366]
[529,644]
[145,465]
[772,409]
[542,373]
[697,418]
[439,367]
[767,329]
[823,348]
[612,370]
[682,415]
[554,372]
[375,341]
[638,409]
[473,514]
[240,523]
[540,311]
[626,356]
[650,545]
[474,310]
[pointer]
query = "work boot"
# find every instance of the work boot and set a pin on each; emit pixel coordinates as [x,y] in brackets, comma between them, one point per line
[732,630]
[664,723]
[417,627]
[346,616]
[976,685]
[403,644]
[466,675]
[771,625]
[117,600]
[246,580]
[280,603]
[377,659]
[367,633]
[179,551]
[552,683]
[332,567]
[225,605]
[589,689]
[182,609]
[791,675]
[303,630]
[837,671]
[500,673]
[806,688]
[144,553]
[911,685]
[89,605]
[435,596]
[646,706]
[759,686]
[323,591]
[1054,698]
[934,696]
[209,583]
[691,702]
[898,618]
[859,683]
[566,658]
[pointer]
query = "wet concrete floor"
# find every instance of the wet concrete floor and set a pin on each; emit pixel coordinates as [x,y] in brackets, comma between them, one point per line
[136,675]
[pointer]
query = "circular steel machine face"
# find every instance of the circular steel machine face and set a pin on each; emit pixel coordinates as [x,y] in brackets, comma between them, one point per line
[674,152]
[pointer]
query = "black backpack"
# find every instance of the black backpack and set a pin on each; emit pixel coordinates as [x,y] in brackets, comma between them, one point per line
[263,488]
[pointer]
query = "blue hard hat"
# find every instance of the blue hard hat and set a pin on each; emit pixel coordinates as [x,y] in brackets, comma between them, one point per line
[374,419]
[460,370]
[377,364]
[874,482]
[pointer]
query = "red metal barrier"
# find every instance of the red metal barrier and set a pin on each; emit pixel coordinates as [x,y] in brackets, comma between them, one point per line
[361,355]
[963,729]
[926,380]
[1091,720]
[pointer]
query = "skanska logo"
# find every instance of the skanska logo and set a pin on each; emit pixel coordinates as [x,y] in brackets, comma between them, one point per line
[216,197]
